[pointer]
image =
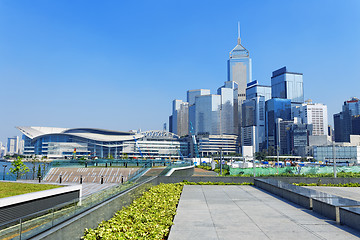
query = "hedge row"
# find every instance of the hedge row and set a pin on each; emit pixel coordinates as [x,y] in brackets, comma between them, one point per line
[148,217]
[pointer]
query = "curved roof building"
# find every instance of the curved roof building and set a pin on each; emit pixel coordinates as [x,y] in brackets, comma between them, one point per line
[93,142]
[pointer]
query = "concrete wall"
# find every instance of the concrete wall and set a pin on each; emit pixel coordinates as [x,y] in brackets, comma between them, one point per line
[12,208]
[183,171]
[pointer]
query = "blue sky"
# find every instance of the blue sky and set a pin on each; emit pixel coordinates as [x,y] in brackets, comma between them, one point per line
[119,64]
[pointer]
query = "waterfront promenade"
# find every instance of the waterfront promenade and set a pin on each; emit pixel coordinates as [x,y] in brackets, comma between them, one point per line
[245,212]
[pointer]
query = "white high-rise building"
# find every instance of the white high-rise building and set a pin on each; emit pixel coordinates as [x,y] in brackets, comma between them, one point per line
[191,95]
[2,150]
[180,118]
[13,145]
[315,114]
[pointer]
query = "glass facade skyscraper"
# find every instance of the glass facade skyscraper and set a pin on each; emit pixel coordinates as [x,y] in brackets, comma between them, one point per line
[255,90]
[288,85]
[343,121]
[275,108]
[207,114]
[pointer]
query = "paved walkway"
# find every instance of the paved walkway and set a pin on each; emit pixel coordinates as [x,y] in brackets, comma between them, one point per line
[89,175]
[245,212]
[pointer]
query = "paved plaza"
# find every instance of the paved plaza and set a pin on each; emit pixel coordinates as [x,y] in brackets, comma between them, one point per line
[245,212]
[89,175]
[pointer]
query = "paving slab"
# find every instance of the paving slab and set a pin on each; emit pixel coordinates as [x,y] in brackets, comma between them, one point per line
[245,212]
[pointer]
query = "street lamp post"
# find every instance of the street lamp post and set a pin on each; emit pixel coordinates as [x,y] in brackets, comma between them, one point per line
[221,170]
[334,158]
[4,166]
[278,145]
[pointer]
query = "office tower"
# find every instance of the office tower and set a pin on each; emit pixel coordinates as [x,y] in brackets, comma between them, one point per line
[288,85]
[253,123]
[281,140]
[191,95]
[21,147]
[180,118]
[315,114]
[239,67]
[343,121]
[254,89]
[229,108]
[2,150]
[355,122]
[13,145]
[275,108]
[298,138]
[239,71]
[207,114]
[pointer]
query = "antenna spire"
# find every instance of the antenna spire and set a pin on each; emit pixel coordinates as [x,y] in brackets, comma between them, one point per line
[239,40]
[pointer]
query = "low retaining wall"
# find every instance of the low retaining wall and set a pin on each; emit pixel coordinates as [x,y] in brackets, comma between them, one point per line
[181,171]
[323,180]
[342,210]
[15,207]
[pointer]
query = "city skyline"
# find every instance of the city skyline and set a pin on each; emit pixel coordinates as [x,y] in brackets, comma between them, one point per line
[96,69]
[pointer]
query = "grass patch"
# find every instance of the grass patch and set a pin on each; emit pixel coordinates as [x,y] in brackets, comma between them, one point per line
[8,189]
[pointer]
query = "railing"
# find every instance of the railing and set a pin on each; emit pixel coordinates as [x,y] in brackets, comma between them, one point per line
[33,224]
[176,164]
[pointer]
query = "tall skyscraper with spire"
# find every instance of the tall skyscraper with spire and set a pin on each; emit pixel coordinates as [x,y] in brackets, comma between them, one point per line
[239,66]
[239,71]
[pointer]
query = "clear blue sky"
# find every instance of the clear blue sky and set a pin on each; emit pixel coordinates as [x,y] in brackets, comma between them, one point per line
[119,64]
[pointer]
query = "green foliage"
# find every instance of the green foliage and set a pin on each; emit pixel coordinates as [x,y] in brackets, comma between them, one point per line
[18,167]
[204,167]
[260,155]
[148,217]
[224,173]
[39,171]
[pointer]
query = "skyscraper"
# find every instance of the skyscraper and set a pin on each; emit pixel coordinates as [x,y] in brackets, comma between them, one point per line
[343,121]
[13,145]
[207,114]
[239,71]
[254,89]
[253,123]
[180,118]
[315,114]
[275,108]
[191,95]
[288,85]
[239,67]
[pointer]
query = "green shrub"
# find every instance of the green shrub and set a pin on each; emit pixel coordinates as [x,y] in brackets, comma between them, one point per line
[148,217]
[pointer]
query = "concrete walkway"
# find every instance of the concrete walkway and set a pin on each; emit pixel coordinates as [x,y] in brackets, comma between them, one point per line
[245,212]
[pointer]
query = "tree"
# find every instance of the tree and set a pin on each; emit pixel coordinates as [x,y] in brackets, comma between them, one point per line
[39,171]
[260,155]
[18,167]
